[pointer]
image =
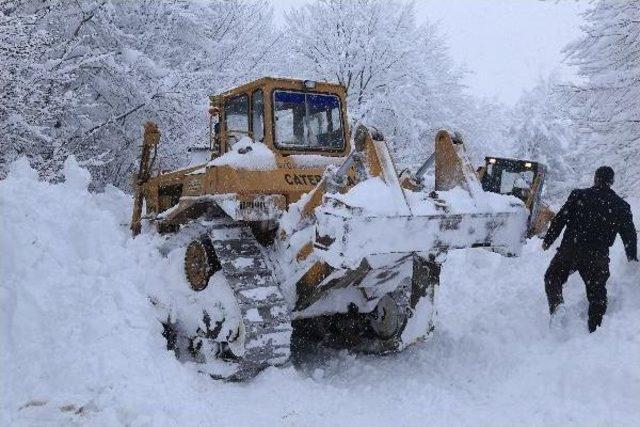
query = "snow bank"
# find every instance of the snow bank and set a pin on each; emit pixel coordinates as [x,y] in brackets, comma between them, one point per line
[246,154]
[78,332]
[80,344]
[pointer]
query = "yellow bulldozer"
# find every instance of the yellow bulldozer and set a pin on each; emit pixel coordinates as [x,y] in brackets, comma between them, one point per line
[294,227]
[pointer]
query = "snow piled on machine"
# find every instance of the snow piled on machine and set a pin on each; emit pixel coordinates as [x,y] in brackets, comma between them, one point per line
[81,344]
[374,217]
[373,195]
[247,154]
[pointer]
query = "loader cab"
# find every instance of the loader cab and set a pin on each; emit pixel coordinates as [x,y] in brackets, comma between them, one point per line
[288,116]
[511,176]
[523,179]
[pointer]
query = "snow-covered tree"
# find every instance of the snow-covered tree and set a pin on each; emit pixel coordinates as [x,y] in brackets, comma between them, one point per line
[29,104]
[539,131]
[398,73]
[605,106]
[97,69]
[81,77]
[363,45]
[166,59]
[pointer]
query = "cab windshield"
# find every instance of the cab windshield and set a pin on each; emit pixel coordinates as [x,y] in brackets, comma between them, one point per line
[310,121]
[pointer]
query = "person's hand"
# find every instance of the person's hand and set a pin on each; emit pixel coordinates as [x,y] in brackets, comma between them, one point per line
[545,246]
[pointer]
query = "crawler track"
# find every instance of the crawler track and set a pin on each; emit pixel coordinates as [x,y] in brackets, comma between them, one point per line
[265,315]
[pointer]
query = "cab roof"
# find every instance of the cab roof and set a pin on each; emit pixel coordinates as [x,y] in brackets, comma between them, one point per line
[287,83]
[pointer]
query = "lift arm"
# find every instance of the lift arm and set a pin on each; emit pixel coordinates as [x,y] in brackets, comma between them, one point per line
[150,142]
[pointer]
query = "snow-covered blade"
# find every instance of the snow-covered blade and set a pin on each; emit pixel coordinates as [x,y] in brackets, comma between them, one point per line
[348,231]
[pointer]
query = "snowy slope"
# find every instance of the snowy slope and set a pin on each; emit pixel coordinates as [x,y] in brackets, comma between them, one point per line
[80,344]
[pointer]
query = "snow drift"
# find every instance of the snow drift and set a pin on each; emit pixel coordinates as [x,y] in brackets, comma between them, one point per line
[80,343]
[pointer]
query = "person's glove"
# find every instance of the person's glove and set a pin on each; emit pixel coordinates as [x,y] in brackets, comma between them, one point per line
[545,246]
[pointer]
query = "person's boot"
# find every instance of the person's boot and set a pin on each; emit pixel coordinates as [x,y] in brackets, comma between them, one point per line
[596,312]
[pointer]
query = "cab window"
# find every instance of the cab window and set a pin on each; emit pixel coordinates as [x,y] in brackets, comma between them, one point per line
[511,182]
[511,178]
[236,112]
[257,109]
[307,121]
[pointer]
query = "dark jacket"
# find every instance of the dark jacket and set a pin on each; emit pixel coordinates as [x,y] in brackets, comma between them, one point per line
[593,216]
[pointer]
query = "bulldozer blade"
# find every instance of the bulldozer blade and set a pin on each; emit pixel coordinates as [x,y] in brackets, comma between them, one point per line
[344,239]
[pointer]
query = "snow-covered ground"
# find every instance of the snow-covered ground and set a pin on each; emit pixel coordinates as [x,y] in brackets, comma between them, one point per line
[80,344]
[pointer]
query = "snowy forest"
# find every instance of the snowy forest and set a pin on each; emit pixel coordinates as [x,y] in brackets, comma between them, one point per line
[85,87]
[306,271]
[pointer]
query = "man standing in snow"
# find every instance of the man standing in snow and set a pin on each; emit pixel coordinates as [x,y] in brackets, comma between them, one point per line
[592,217]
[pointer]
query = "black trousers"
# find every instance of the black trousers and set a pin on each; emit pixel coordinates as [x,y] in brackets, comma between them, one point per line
[593,267]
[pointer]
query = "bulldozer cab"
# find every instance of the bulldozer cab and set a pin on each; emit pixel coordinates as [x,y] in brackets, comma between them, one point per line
[288,116]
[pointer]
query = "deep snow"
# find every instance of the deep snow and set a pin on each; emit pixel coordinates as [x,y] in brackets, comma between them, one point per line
[80,343]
